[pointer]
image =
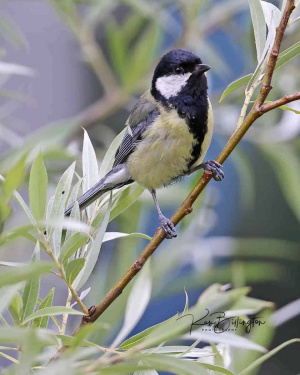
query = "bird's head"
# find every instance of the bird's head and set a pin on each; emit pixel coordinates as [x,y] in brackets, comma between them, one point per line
[179,71]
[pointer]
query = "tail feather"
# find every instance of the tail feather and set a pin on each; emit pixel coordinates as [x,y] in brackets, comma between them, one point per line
[114,179]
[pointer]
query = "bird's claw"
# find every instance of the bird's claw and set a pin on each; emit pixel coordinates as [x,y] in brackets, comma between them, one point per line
[168,227]
[215,168]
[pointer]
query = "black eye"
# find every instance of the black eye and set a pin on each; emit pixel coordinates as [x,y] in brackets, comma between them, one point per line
[179,70]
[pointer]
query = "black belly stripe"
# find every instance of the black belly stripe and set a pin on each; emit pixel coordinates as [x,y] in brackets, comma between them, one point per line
[193,105]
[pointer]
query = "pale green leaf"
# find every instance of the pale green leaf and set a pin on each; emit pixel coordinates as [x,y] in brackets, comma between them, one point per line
[74,216]
[73,268]
[58,206]
[89,168]
[22,203]
[259,26]
[18,274]
[109,157]
[18,335]
[268,355]
[12,68]
[212,299]
[286,164]
[93,251]
[15,308]
[31,290]
[38,181]
[109,236]
[12,181]
[137,302]
[42,322]
[71,245]
[53,310]
[208,335]
[126,199]
[233,86]
[180,366]
[286,108]
[6,295]
[73,342]
[287,55]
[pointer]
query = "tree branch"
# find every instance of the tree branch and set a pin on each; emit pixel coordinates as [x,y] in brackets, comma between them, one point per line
[257,110]
[266,83]
[279,102]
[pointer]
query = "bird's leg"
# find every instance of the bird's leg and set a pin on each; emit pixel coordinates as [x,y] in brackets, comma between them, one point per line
[166,224]
[211,166]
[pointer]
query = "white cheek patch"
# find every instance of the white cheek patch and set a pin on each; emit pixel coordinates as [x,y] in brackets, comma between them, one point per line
[171,85]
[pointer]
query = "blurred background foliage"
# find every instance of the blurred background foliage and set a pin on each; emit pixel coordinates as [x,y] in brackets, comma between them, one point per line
[68,64]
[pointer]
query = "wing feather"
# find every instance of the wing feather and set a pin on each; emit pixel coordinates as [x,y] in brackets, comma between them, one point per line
[142,115]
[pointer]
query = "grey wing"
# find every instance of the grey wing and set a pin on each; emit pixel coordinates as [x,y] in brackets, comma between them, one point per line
[142,115]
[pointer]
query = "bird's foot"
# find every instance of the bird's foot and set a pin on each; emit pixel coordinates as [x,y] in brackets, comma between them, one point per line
[215,168]
[168,227]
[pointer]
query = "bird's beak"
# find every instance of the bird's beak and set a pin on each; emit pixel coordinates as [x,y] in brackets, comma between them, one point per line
[201,68]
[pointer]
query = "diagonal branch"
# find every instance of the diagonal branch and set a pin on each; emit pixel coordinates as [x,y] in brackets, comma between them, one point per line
[257,111]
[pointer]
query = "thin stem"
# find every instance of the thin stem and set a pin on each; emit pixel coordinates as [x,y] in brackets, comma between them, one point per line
[65,316]
[62,273]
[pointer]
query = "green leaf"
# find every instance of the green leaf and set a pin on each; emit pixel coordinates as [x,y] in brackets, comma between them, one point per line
[17,274]
[58,206]
[75,215]
[89,168]
[233,86]
[73,268]
[166,363]
[12,68]
[212,299]
[286,108]
[126,199]
[87,330]
[93,251]
[54,310]
[265,357]
[109,236]
[287,55]
[6,295]
[72,342]
[19,336]
[259,26]
[71,245]
[47,302]
[285,163]
[15,308]
[31,290]
[38,181]
[12,181]
[137,302]
[109,157]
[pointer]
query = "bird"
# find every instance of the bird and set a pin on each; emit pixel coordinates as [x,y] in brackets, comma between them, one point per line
[168,133]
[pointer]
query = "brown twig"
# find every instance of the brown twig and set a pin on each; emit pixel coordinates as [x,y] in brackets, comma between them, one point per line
[258,109]
[279,102]
[266,83]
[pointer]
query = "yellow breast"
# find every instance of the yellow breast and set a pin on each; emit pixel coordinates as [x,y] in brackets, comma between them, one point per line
[163,152]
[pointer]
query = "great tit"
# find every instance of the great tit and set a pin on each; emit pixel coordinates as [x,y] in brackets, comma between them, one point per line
[168,133]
